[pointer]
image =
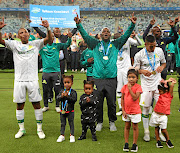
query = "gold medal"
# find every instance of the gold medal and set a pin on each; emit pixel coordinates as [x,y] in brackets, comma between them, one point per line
[153,72]
[63,112]
[105,57]
[121,58]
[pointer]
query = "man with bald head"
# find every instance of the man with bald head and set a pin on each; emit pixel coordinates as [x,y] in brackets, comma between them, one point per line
[105,69]
[25,55]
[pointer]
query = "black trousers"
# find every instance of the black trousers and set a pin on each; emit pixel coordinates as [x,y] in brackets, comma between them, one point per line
[171,60]
[74,60]
[49,80]
[106,88]
[85,126]
[70,117]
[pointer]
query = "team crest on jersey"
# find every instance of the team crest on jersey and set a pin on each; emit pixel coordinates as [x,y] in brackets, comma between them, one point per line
[162,43]
[54,48]
[110,46]
[30,47]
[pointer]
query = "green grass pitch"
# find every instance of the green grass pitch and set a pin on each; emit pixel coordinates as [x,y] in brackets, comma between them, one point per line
[108,142]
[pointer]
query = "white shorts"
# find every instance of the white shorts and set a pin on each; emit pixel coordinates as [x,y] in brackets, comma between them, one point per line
[121,79]
[158,120]
[147,96]
[20,88]
[135,118]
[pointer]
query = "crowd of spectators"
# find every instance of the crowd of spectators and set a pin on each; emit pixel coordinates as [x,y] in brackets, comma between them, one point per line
[93,22]
[91,3]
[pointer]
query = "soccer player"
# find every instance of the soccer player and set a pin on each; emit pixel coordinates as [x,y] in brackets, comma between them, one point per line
[151,62]
[123,65]
[25,55]
[105,68]
[161,42]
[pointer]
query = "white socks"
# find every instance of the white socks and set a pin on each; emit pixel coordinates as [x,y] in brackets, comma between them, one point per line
[119,103]
[39,118]
[20,118]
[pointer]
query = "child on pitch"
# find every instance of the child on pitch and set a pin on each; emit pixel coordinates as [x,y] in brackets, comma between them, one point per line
[131,108]
[123,65]
[88,103]
[151,62]
[162,109]
[67,97]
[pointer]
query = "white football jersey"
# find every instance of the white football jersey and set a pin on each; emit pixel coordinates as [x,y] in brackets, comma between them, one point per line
[126,62]
[141,60]
[25,58]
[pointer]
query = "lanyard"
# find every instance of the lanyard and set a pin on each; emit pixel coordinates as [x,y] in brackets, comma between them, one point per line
[105,53]
[120,52]
[66,100]
[152,66]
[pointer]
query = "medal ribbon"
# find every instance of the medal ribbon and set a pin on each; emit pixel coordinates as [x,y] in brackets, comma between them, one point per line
[152,66]
[120,52]
[66,100]
[105,53]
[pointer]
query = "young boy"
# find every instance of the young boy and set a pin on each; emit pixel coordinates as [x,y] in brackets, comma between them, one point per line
[151,62]
[88,103]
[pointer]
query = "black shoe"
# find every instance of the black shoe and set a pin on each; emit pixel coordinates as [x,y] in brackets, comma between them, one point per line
[169,144]
[179,110]
[82,137]
[158,144]
[126,147]
[134,148]
[94,138]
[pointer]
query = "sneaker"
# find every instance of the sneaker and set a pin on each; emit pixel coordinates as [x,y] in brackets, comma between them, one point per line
[75,70]
[119,113]
[20,134]
[61,138]
[162,137]
[57,109]
[82,137]
[158,144]
[146,137]
[72,70]
[126,147]
[99,127]
[134,148]
[82,70]
[169,144]
[179,110]
[45,109]
[94,138]
[72,138]
[171,71]
[65,71]
[50,100]
[112,126]
[41,134]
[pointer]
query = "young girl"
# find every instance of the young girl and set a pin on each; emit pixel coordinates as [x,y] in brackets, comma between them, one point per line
[88,103]
[67,97]
[131,108]
[161,110]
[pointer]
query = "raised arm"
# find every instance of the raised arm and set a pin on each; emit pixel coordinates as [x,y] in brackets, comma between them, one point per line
[152,22]
[48,38]
[118,43]
[1,26]
[41,33]
[173,82]
[92,42]
[173,32]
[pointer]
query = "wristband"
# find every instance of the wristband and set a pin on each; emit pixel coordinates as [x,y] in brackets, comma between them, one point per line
[48,28]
